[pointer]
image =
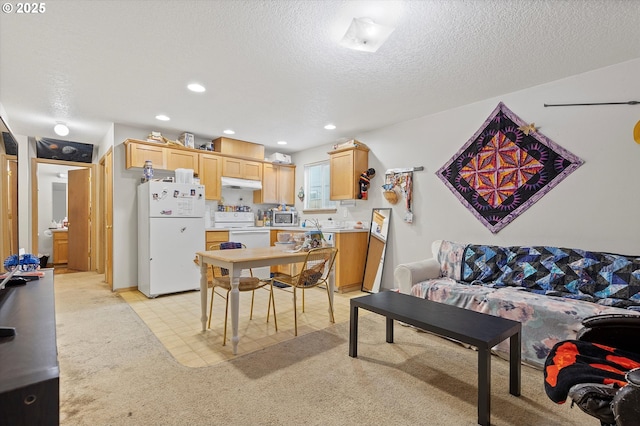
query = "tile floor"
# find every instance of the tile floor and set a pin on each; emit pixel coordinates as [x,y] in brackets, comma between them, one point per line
[175,320]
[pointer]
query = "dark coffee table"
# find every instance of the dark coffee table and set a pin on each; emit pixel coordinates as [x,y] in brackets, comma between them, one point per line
[476,329]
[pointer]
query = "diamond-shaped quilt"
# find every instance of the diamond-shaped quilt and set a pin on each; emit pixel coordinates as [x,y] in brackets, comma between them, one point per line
[502,170]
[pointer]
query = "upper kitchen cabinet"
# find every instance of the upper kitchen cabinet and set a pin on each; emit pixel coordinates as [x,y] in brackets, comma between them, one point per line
[238,148]
[243,169]
[162,157]
[278,185]
[346,165]
[138,153]
[210,172]
[182,159]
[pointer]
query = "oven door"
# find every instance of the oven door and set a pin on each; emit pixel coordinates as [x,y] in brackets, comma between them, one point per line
[253,238]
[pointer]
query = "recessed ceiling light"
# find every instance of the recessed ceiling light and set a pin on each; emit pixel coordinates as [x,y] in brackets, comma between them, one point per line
[330,127]
[162,117]
[229,132]
[195,87]
[282,142]
[61,129]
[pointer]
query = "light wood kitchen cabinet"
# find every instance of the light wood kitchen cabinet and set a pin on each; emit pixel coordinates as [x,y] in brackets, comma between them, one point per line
[278,185]
[349,264]
[210,171]
[179,159]
[60,247]
[346,165]
[240,168]
[214,237]
[138,153]
[238,148]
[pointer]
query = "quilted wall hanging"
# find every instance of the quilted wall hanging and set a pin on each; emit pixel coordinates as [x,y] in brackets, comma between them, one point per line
[504,168]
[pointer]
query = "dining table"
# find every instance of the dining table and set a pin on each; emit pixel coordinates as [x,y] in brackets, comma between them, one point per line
[235,261]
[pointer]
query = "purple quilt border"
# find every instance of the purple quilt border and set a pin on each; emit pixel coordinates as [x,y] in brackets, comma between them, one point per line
[575,163]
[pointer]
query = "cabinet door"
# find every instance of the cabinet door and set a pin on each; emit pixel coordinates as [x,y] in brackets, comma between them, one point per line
[137,154]
[286,185]
[251,170]
[213,237]
[179,159]
[269,191]
[342,182]
[352,253]
[210,172]
[232,167]
[60,248]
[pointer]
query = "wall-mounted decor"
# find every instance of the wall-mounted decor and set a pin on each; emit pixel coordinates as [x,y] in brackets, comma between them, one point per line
[400,181]
[54,149]
[500,171]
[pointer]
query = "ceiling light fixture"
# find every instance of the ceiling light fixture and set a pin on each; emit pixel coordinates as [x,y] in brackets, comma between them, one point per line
[281,142]
[228,132]
[330,127]
[61,129]
[365,35]
[162,117]
[195,87]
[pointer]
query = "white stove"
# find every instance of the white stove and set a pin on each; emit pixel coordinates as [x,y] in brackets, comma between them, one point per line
[233,220]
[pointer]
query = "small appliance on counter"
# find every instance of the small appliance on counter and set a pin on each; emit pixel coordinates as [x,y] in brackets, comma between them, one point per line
[284,218]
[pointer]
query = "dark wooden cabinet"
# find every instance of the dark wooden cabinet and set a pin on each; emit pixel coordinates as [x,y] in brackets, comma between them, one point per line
[29,372]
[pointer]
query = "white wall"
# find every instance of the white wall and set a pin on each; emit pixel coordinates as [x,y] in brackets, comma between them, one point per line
[594,208]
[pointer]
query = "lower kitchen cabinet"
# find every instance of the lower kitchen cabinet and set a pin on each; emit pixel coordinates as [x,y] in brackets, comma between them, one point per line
[60,247]
[349,265]
[214,237]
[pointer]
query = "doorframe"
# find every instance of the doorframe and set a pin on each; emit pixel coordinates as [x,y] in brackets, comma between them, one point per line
[92,201]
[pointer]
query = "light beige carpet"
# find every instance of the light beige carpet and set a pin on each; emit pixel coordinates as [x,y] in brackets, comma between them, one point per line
[114,371]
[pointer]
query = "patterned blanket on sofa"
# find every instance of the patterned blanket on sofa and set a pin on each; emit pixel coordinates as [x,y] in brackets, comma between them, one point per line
[603,278]
[541,287]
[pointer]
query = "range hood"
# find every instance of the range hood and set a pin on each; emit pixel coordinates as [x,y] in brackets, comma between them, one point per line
[235,183]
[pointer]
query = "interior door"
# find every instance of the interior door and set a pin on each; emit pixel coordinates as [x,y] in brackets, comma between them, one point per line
[108,218]
[79,209]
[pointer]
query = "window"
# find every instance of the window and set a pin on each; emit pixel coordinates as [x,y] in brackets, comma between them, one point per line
[316,187]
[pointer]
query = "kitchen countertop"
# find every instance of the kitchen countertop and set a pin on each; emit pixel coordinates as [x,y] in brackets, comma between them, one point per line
[296,229]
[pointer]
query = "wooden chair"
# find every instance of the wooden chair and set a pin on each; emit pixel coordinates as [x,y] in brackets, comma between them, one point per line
[221,279]
[314,272]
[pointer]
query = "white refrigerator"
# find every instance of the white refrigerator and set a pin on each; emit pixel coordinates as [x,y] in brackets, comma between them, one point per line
[170,232]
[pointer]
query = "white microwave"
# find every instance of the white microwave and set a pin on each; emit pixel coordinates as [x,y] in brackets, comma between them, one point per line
[284,218]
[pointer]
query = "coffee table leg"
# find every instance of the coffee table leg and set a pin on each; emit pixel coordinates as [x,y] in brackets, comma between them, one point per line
[389,330]
[484,386]
[353,332]
[514,364]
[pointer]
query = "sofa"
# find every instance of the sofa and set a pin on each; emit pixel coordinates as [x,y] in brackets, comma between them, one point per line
[550,290]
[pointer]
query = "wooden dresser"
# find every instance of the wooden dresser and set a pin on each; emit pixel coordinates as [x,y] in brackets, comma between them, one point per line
[29,372]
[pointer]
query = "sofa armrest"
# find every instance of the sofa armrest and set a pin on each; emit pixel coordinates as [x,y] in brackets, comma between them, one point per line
[407,274]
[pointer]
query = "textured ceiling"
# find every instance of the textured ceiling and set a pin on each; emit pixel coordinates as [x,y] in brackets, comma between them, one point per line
[274,69]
